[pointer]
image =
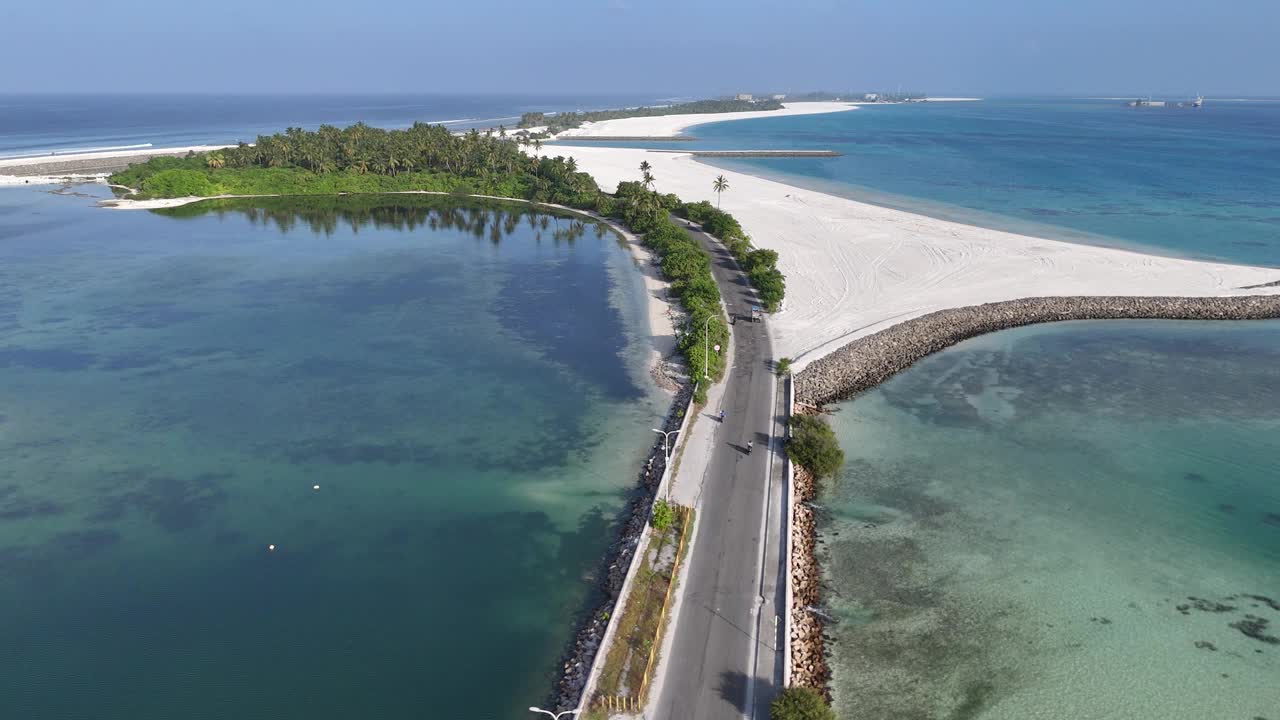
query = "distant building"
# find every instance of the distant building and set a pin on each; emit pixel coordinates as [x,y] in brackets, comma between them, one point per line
[871,97]
[780,96]
[744,96]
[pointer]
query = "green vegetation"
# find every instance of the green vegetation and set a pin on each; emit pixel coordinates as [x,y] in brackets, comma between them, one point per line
[664,513]
[688,268]
[800,703]
[362,159]
[784,367]
[178,182]
[718,186]
[644,619]
[761,266]
[565,120]
[814,447]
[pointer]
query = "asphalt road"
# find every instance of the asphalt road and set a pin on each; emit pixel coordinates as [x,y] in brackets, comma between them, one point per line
[725,659]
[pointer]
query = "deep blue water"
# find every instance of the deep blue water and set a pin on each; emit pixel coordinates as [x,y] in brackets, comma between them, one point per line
[34,124]
[1198,183]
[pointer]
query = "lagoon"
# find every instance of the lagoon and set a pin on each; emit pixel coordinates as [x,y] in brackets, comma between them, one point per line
[1069,520]
[464,384]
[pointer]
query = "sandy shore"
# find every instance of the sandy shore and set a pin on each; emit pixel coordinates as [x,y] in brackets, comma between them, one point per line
[6,180]
[87,166]
[128,154]
[853,268]
[669,125]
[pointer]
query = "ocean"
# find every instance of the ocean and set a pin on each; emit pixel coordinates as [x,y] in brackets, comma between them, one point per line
[1068,520]
[1190,183]
[1065,520]
[327,459]
[40,124]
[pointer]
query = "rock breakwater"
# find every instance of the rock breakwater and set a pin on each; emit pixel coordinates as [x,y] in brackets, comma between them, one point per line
[809,666]
[870,360]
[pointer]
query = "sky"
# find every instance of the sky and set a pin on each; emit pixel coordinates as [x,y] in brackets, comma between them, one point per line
[661,47]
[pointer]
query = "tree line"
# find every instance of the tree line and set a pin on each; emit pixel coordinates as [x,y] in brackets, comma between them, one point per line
[361,158]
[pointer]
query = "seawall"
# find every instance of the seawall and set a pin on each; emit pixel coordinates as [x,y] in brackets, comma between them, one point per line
[870,360]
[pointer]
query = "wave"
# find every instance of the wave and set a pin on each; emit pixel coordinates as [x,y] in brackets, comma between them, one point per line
[74,151]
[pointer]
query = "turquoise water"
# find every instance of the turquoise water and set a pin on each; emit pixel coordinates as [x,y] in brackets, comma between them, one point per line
[1062,521]
[1195,183]
[464,384]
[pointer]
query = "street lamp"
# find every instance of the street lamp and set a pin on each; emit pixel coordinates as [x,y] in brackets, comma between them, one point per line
[553,716]
[666,455]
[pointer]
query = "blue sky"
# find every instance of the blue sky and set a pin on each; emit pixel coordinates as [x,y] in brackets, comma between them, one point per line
[689,47]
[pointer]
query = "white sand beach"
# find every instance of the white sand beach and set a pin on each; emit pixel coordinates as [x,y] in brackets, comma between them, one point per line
[103,155]
[51,179]
[853,268]
[671,125]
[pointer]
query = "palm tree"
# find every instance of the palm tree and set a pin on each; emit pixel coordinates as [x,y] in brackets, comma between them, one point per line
[537,146]
[645,166]
[648,179]
[720,185]
[571,165]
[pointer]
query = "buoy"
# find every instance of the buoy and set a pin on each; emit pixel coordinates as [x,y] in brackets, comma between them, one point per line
[271,548]
[315,487]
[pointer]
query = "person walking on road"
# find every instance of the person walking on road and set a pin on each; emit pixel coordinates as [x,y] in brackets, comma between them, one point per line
[750,444]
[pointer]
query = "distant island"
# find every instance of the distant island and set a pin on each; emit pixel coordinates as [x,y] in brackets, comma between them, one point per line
[559,122]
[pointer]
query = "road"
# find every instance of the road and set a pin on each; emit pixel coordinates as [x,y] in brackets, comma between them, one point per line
[725,660]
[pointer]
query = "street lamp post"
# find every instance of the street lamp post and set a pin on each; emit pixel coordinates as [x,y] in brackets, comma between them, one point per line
[666,454]
[553,716]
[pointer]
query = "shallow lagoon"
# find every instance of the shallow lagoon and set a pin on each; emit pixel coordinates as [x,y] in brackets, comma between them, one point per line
[465,385]
[1063,521]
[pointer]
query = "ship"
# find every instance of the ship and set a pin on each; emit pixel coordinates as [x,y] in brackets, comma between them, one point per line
[1147,102]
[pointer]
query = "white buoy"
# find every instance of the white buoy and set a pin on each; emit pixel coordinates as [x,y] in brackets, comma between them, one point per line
[271,548]
[315,487]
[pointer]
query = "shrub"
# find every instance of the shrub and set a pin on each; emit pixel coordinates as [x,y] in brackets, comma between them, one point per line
[760,265]
[178,183]
[784,367]
[800,703]
[814,447]
[664,513]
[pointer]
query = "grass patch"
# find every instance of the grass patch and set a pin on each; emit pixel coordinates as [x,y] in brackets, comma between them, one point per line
[643,622]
